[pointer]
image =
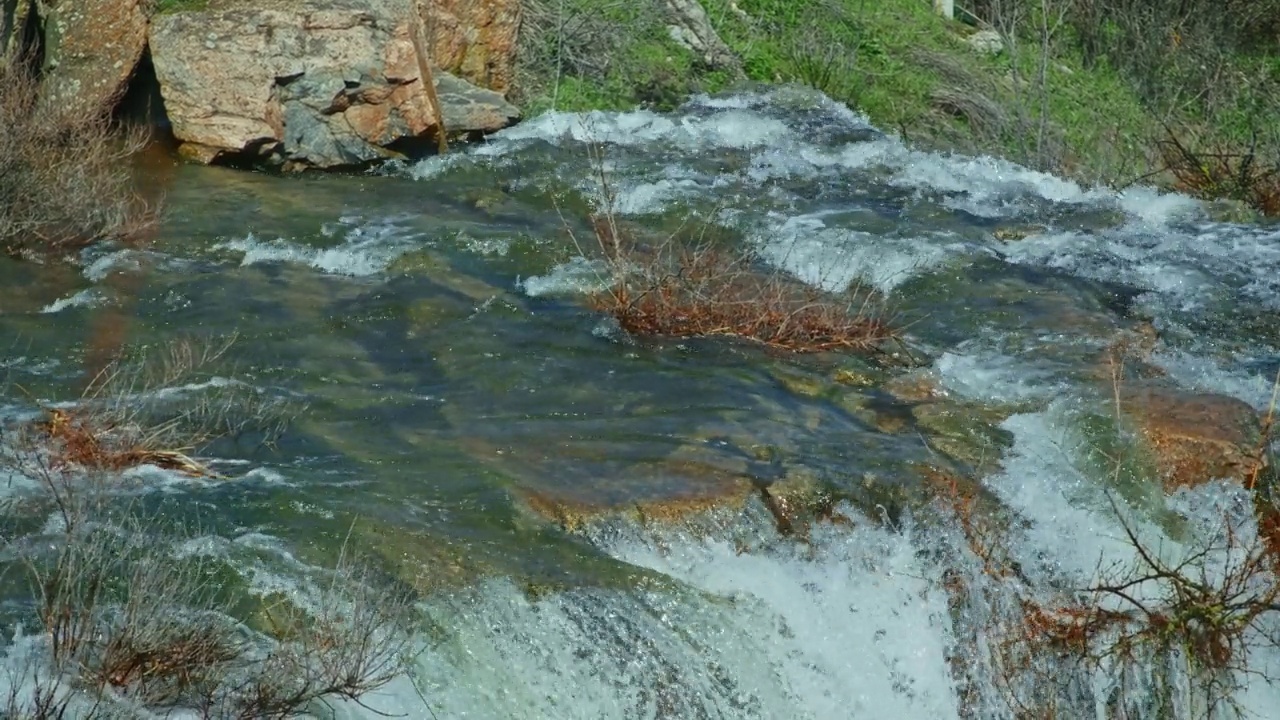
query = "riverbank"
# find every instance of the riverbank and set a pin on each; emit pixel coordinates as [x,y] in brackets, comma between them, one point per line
[1019,89]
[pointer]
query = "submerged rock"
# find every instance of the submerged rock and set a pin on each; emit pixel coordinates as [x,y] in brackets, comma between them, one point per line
[1013,233]
[319,83]
[1195,437]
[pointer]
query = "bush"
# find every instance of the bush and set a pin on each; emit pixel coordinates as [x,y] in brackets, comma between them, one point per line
[1250,174]
[65,180]
[127,624]
[692,287]
[123,626]
[1167,630]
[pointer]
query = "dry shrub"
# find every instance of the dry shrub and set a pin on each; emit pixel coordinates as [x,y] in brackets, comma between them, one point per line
[1246,174]
[65,178]
[356,639]
[127,623]
[692,287]
[148,407]
[121,616]
[1201,614]
[124,624]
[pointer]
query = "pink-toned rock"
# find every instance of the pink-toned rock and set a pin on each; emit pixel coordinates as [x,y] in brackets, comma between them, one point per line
[310,83]
[1195,437]
[92,48]
[473,39]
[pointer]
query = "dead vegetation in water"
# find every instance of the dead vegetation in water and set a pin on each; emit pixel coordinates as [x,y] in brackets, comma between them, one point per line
[123,615]
[688,285]
[125,625]
[152,406]
[1199,611]
[66,178]
[120,624]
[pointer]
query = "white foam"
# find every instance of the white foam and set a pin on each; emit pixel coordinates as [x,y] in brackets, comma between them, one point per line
[1207,375]
[174,391]
[85,298]
[577,276]
[24,672]
[1188,268]
[113,262]
[268,476]
[847,632]
[834,259]
[655,197]
[732,128]
[864,634]
[1072,527]
[366,250]
[436,165]
[988,375]
[1074,538]
[1154,207]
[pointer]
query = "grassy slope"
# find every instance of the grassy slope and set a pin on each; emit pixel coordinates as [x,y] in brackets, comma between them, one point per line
[616,55]
[908,69]
[886,58]
[898,53]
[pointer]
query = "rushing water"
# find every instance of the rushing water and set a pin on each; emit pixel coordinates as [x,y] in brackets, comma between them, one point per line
[428,317]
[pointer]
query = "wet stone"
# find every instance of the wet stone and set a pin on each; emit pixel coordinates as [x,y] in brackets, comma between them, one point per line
[1195,437]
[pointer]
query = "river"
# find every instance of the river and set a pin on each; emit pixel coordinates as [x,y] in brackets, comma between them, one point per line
[427,320]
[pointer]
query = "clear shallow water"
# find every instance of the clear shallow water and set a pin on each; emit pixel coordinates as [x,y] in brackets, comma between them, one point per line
[428,317]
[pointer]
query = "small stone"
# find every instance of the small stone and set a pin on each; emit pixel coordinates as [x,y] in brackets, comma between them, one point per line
[987,42]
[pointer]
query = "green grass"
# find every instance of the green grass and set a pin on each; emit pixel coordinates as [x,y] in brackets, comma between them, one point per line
[897,62]
[631,57]
[897,53]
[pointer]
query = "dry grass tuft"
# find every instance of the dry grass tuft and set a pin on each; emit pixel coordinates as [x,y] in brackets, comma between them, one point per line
[65,179]
[693,287]
[80,442]
[151,407]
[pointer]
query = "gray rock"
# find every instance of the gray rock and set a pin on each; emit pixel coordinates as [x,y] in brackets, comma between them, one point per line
[468,108]
[310,83]
[91,48]
[690,27]
[987,42]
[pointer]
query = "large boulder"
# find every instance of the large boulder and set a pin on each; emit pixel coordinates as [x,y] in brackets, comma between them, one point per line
[1195,437]
[310,83]
[91,48]
[473,39]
